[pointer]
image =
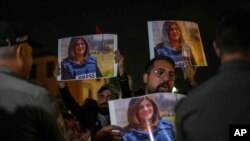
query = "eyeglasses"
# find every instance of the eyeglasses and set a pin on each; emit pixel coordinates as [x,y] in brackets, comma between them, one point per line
[161,73]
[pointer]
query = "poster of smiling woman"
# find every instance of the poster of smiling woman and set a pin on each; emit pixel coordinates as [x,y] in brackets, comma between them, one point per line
[145,118]
[87,57]
[178,40]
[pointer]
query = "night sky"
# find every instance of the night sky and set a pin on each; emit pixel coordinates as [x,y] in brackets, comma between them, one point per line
[47,22]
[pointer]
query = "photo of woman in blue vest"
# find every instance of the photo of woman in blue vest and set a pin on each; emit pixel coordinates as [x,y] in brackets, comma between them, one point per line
[173,44]
[145,122]
[79,64]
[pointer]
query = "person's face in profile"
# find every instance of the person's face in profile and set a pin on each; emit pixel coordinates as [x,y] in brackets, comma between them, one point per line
[161,78]
[80,47]
[174,32]
[103,99]
[145,110]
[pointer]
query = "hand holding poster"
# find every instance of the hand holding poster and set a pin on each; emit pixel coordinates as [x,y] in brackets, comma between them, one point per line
[145,118]
[87,57]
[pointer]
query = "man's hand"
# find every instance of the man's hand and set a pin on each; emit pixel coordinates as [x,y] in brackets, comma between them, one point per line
[56,72]
[189,71]
[109,133]
[120,60]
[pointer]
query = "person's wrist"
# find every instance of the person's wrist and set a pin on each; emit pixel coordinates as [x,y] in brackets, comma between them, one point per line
[123,77]
[121,70]
[192,83]
[61,84]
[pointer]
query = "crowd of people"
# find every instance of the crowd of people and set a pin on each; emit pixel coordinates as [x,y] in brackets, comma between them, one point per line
[29,111]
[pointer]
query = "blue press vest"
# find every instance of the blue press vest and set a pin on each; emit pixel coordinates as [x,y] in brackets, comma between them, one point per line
[162,132]
[79,71]
[175,54]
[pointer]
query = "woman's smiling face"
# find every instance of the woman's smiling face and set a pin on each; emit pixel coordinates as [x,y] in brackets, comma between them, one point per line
[145,111]
[80,47]
[174,32]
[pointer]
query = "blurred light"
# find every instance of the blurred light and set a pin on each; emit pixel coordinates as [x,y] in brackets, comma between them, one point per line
[174,90]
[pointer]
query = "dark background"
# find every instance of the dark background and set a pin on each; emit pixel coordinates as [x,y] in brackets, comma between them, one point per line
[49,21]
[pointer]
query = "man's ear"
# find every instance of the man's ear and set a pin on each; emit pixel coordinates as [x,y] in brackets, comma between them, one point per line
[19,55]
[145,78]
[216,49]
[19,51]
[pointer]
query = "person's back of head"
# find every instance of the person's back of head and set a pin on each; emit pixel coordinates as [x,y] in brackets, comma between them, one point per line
[90,106]
[233,32]
[15,52]
[90,103]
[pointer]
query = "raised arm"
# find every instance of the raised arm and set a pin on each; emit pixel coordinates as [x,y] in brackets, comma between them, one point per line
[123,77]
[69,101]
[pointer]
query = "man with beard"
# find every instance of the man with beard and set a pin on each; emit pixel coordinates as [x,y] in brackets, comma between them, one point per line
[106,92]
[159,75]
[92,116]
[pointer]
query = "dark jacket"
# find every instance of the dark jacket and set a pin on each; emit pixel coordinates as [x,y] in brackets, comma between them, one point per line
[28,111]
[208,111]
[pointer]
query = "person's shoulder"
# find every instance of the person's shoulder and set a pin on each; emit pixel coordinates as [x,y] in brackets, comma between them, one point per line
[65,60]
[91,59]
[195,97]
[165,123]
[30,88]
[66,63]
[127,127]
[158,46]
[132,134]
[129,130]
[38,87]
[185,44]
[128,135]
[36,84]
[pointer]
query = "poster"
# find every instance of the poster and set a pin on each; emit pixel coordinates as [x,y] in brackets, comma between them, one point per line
[87,57]
[176,39]
[149,117]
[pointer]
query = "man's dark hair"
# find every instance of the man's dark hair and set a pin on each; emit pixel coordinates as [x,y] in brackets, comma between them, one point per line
[233,31]
[150,64]
[12,33]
